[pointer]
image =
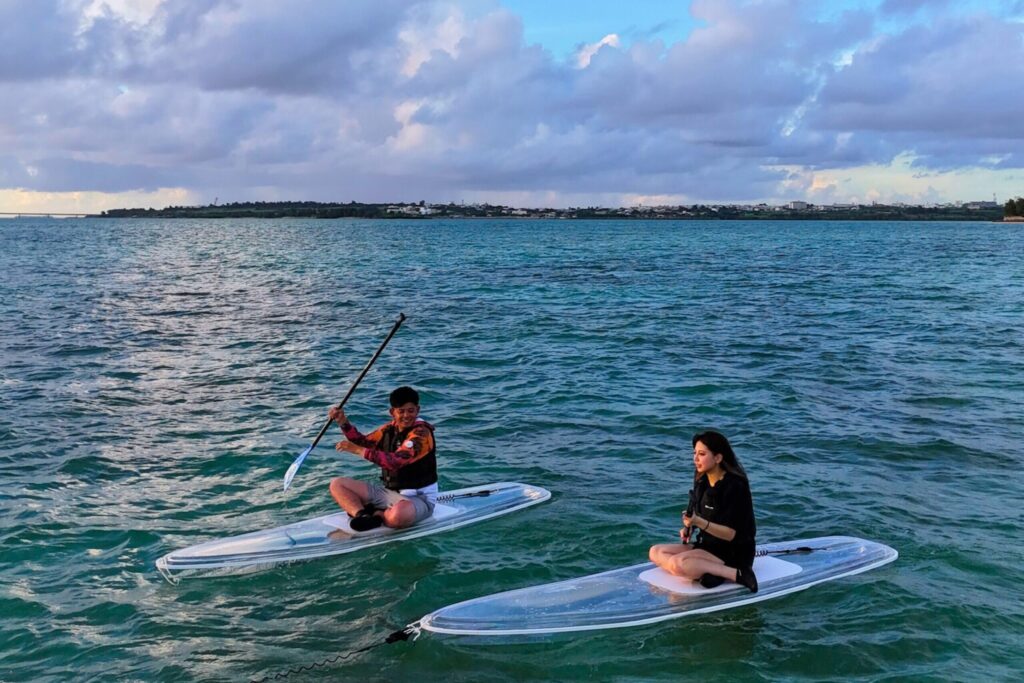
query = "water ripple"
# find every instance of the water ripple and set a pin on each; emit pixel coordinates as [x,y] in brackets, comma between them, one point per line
[158,377]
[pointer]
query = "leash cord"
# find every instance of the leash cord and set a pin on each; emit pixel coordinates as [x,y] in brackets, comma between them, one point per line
[410,631]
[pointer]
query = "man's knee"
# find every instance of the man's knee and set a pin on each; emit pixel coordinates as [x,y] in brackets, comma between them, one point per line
[401,514]
[341,484]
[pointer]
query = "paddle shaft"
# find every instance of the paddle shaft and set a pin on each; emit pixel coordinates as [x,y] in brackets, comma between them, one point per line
[691,506]
[398,323]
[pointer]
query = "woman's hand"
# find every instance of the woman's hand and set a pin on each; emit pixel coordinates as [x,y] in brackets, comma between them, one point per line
[337,415]
[687,529]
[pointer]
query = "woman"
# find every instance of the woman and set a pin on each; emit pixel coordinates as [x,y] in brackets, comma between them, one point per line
[722,513]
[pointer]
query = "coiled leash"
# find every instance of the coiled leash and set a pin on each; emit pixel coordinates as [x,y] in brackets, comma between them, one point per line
[412,631]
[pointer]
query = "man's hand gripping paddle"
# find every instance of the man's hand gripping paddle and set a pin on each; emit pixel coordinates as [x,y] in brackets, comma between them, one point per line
[290,474]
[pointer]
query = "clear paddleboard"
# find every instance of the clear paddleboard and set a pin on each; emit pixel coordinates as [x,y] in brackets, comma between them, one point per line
[645,594]
[331,534]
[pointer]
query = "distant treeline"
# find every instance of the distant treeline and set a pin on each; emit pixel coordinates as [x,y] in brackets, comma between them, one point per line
[258,210]
[1014,207]
[862,212]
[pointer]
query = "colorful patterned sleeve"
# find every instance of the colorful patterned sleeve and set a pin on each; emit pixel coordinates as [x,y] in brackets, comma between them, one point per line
[358,438]
[416,445]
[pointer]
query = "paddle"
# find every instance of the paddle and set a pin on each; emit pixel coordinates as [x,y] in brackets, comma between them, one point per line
[290,474]
[691,506]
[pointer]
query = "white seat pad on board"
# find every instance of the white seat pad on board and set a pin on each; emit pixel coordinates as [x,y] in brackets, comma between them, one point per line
[766,568]
[341,520]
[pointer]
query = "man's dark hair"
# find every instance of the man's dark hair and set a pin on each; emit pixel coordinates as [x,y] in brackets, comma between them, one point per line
[403,395]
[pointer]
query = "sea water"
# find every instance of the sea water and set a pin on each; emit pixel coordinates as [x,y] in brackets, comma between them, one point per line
[157,378]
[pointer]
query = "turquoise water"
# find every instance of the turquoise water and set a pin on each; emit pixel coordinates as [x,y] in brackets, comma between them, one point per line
[158,377]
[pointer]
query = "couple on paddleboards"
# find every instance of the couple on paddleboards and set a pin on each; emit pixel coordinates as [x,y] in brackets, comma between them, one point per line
[720,509]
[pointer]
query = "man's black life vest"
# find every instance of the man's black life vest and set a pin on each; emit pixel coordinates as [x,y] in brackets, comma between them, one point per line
[415,475]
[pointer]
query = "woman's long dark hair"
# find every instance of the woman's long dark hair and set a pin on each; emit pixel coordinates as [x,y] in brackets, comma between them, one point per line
[717,443]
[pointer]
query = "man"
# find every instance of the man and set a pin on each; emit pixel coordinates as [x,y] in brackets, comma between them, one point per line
[404,449]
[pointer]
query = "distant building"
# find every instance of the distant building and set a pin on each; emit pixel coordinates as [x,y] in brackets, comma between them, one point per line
[798,205]
[405,210]
[977,206]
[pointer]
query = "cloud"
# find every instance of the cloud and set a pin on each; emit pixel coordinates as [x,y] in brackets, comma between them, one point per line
[36,39]
[25,201]
[910,6]
[587,52]
[304,46]
[945,91]
[444,100]
[69,175]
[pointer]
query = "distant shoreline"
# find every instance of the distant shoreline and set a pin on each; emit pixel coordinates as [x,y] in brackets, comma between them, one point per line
[423,211]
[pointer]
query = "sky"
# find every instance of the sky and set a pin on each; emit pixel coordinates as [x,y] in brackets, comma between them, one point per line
[556,103]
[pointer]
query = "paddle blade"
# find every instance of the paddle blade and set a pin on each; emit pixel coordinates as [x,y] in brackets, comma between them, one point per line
[290,474]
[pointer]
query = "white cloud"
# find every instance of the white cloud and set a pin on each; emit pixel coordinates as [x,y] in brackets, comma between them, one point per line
[26,201]
[655,200]
[434,30]
[898,181]
[135,11]
[587,52]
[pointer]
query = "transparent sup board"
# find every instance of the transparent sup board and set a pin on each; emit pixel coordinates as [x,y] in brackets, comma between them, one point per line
[332,535]
[645,594]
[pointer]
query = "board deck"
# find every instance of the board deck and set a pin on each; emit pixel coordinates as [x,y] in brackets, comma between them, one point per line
[329,535]
[629,597]
[768,570]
